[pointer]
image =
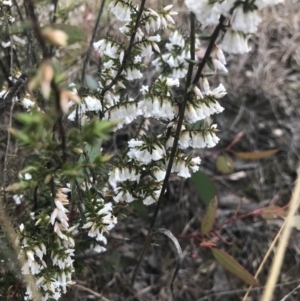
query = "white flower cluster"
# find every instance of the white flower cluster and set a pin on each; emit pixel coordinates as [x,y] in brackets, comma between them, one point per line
[243,15]
[124,96]
[198,139]
[99,220]
[184,164]
[175,56]
[52,276]
[145,153]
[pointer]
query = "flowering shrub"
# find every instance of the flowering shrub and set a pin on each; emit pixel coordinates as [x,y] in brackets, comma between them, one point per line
[75,185]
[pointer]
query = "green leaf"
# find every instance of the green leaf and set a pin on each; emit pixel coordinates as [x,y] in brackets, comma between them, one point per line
[33,118]
[204,186]
[93,150]
[191,61]
[210,64]
[231,265]
[225,164]
[209,217]
[205,38]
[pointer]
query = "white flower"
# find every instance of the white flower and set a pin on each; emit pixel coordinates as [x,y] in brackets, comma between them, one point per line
[173,82]
[198,92]
[176,39]
[151,199]
[109,48]
[120,10]
[91,104]
[157,108]
[7,2]
[219,54]
[144,89]
[235,42]
[245,22]
[182,169]
[156,38]
[218,92]
[145,156]
[124,114]
[118,175]
[133,73]
[184,140]
[159,174]
[124,196]
[205,85]
[108,64]
[137,59]
[191,115]
[98,249]
[5,44]
[17,198]
[207,12]
[178,72]
[219,66]
[195,162]
[153,20]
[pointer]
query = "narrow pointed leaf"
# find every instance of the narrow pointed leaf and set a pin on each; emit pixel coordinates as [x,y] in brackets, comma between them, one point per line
[208,219]
[231,265]
[256,155]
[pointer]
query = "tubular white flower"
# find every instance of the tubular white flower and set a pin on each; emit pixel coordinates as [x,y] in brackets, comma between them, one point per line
[218,92]
[245,22]
[151,199]
[118,175]
[198,92]
[207,12]
[159,174]
[235,42]
[184,140]
[145,156]
[120,10]
[27,103]
[133,74]
[156,108]
[124,196]
[219,54]
[219,66]
[205,84]
[168,7]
